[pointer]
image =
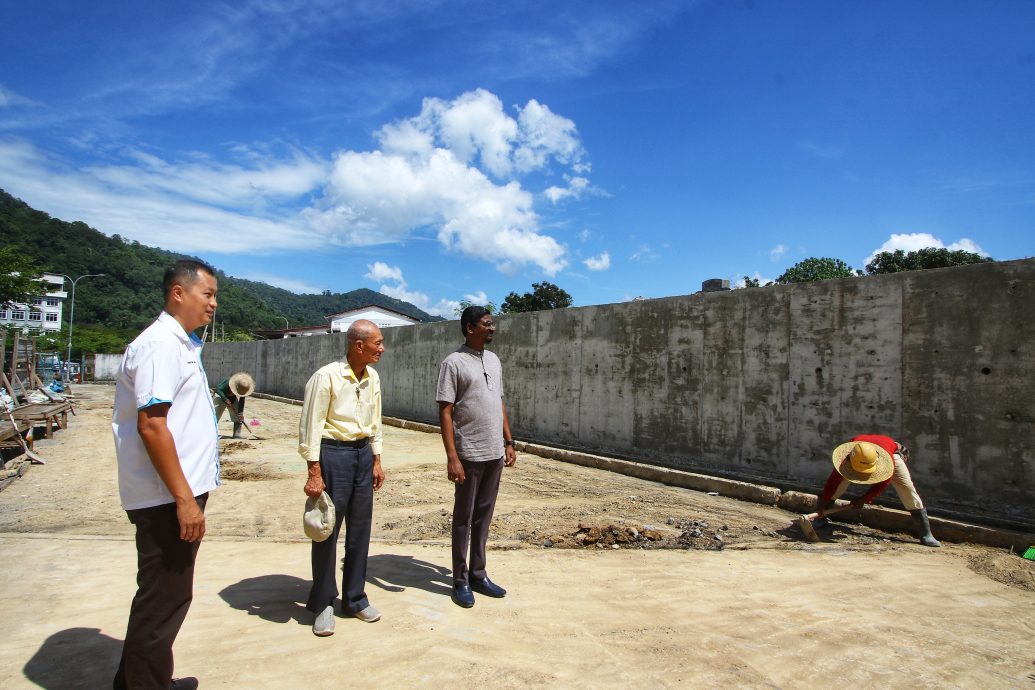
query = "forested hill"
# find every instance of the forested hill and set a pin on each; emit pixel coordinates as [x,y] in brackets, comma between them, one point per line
[128,296]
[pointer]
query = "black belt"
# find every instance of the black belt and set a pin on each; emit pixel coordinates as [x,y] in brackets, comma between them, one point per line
[361,443]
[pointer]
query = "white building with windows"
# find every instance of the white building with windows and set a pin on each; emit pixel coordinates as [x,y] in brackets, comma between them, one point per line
[340,322]
[41,313]
[382,316]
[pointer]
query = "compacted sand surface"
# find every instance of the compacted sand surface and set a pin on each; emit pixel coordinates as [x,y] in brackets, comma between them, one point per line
[614,582]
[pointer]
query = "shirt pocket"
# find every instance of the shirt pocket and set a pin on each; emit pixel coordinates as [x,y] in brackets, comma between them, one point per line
[364,410]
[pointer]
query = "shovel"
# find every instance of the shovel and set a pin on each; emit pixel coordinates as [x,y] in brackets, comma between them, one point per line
[239,418]
[805,521]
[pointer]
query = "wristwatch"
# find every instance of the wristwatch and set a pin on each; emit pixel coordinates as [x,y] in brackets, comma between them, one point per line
[508,443]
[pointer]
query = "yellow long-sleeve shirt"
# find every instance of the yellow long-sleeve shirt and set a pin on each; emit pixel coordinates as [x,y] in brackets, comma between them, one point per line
[339,406]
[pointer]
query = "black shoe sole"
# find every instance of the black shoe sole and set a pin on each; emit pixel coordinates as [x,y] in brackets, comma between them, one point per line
[487,593]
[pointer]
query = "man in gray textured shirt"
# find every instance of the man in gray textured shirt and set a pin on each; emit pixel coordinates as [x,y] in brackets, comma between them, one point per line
[476,434]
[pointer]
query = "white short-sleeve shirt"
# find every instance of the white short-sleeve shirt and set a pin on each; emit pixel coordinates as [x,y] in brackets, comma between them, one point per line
[163,365]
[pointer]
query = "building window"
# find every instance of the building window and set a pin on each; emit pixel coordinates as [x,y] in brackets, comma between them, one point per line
[3,313]
[37,301]
[53,301]
[35,316]
[18,315]
[52,318]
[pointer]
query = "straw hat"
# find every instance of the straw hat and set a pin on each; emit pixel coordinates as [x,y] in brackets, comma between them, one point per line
[862,462]
[242,384]
[318,518]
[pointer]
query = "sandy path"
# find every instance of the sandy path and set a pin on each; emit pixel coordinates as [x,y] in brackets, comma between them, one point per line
[867,609]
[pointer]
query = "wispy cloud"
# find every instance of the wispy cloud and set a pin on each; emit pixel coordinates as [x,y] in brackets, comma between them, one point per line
[777,252]
[300,287]
[455,169]
[10,99]
[394,285]
[821,150]
[191,210]
[645,254]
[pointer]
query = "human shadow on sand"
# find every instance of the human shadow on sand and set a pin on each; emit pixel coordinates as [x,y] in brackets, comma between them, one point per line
[75,658]
[273,598]
[394,573]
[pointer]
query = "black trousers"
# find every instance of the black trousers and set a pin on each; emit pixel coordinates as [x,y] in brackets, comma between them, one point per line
[348,475]
[165,587]
[473,504]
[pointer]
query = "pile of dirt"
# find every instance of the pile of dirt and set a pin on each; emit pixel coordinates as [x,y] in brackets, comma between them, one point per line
[1007,568]
[245,471]
[233,447]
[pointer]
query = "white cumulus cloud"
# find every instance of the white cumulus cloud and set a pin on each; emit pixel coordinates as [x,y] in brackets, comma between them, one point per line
[911,242]
[451,168]
[740,281]
[602,262]
[380,272]
[577,186]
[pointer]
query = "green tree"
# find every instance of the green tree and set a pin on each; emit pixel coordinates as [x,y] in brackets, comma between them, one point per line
[812,269]
[19,276]
[929,257]
[464,304]
[544,295]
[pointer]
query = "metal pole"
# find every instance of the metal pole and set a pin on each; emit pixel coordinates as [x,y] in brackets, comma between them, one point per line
[71,320]
[68,357]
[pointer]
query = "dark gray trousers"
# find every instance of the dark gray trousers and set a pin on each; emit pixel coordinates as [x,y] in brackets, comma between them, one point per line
[348,474]
[165,588]
[473,504]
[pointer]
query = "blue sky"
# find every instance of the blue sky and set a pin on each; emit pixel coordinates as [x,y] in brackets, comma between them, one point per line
[438,151]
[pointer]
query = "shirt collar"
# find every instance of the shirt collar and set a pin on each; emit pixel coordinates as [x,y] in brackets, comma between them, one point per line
[346,371]
[471,351]
[170,322]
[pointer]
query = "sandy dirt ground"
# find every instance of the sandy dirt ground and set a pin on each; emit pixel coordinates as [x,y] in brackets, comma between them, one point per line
[613,582]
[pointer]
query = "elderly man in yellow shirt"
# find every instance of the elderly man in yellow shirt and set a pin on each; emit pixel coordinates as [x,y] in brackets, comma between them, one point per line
[339,435]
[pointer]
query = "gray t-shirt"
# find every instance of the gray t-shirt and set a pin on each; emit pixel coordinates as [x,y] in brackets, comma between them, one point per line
[473,382]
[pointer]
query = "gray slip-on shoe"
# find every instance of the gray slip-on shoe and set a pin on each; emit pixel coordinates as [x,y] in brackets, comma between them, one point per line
[324,623]
[368,615]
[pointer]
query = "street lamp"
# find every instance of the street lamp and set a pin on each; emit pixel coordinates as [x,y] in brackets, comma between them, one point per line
[286,325]
[71,316]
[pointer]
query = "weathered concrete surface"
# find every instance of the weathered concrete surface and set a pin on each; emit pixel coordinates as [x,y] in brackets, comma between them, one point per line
[756,385]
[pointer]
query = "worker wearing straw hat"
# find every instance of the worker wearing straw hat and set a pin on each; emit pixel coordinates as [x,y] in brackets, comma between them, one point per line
[876,461]
[230,393]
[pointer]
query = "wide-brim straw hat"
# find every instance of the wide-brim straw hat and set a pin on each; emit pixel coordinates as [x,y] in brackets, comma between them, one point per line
[883,465]
[318,518]
[242,384]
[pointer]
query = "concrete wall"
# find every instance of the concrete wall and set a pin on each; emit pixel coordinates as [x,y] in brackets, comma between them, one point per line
[756,384]
[106,367]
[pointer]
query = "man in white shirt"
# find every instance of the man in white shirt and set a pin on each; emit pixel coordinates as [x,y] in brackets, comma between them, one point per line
[166,442]
[339,435]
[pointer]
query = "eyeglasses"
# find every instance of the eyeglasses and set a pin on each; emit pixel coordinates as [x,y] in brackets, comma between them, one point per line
[488,379]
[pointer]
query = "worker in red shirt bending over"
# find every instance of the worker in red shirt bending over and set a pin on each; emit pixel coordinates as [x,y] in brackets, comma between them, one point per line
[876,461]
